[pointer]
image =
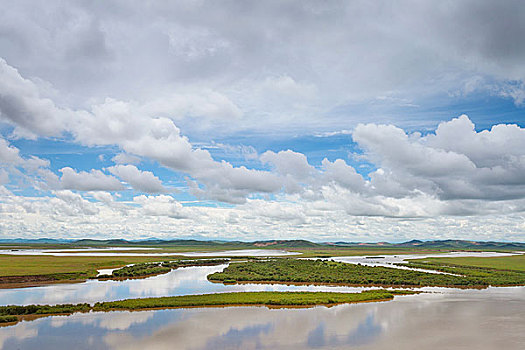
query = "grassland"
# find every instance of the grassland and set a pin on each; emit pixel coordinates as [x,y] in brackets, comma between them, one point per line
[18,271]
[317,271]
[495,271]
[14,313]
[30,270]
[248,298]
[501,263]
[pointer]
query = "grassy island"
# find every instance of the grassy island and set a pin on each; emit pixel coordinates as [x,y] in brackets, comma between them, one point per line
[157,268]
[249,298]
[14,313]
[319,271]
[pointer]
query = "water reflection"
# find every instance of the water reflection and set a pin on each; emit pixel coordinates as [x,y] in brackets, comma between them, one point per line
[188,280]
[393,260]
[183,281]
[117,251]
[487,319]
[365,332]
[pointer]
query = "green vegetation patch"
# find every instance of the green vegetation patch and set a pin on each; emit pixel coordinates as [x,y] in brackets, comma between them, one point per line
[17,310]
[502,263]
[13,313]
[246,298]
[157,268]
[318,271]
[62,267]
[8,319]
[495,271]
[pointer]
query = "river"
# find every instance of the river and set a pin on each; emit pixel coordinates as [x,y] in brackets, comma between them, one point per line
[446,318]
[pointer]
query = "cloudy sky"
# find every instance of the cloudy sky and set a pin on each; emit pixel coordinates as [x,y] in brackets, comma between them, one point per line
[340,120]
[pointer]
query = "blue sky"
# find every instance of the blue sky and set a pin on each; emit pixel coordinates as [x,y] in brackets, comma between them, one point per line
[300,119]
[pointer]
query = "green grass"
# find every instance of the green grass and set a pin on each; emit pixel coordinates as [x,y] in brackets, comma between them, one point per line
[24,265]
[17,310]
[317,271]
[511,263]
[8,319]
[246,298]
[495,271]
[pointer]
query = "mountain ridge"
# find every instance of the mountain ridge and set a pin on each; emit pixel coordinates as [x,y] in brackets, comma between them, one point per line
[274,244]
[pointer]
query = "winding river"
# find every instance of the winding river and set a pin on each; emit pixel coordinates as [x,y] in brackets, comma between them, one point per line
[444,318]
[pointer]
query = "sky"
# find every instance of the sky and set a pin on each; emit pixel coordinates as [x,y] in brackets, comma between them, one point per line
[256,120]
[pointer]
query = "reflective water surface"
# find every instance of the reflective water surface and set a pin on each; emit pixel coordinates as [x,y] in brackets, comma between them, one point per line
[189,280]
[392,260]
[117,251]
[451,319]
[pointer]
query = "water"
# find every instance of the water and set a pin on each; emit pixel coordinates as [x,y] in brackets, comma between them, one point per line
[393,260]
[182,281]
[117,251]
[446,318]
[453,319]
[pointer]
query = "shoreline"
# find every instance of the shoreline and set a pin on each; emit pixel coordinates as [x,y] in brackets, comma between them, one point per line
[397,286]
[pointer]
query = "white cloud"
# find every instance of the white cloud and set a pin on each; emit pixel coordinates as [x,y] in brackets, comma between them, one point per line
[124,124]
[4,177]
[455,162]
[343,174]
[22,105]
[71,204]
[289,163]
[162,205]
[124,158]
[143,181]
[95,180]
[8,153]
[150,80]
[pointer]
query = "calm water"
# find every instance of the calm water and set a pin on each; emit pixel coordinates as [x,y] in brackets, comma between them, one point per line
[392,260]
[117,251]
[189,280]
[488,319]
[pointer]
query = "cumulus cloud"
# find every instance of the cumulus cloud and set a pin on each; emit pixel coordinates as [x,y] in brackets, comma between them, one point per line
[95,180]
[9,154]
[149,81]
[343,174]
[124,158]
[22,105]
[143,181]
[71,204]
[455,162]
[121,123]
[289,163]
[162,205]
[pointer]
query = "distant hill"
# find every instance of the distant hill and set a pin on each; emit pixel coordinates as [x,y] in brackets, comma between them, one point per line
[448,244]
[460,244]
[35,241]
[297,243]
